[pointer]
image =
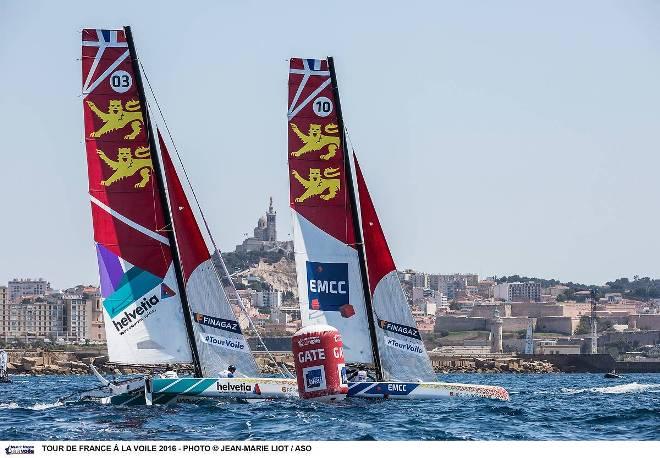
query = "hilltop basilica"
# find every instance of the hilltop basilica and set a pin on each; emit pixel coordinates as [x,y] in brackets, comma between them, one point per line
[265,235]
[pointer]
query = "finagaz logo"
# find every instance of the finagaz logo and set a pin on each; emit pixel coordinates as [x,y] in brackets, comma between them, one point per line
[328,286]
[19,450]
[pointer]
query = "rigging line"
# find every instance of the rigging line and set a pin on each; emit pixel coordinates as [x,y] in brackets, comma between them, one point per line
[208,229]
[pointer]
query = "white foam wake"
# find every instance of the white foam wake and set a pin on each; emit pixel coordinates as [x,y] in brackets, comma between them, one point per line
[616,389]
[37,406]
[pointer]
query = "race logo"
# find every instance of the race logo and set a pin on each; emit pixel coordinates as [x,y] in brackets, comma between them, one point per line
[401,329]
[218,323]
[19,450]
[325,187]
[128,164]
[224,342]
[403,345]
[118,117]
[315,140]
[327,286]
[314,378]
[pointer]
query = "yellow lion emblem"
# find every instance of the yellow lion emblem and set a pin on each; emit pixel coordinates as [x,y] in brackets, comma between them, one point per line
[128,165]
[316,141]
[316,185]
[118,117]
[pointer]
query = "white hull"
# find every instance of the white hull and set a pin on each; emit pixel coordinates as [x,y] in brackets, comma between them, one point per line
[424,390]
[165,391]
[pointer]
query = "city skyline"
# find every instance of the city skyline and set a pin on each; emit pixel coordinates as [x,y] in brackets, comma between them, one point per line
[502,156]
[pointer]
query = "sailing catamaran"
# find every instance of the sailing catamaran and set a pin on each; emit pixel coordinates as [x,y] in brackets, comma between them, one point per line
[163,301]
[346,274]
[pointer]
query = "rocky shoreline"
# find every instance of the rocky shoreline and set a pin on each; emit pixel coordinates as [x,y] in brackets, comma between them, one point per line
[44,362]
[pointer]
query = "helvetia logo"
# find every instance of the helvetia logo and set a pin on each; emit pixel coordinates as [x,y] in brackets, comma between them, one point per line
[139,313]
[234,388]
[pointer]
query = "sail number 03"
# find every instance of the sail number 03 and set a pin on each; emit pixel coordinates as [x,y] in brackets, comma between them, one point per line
[121,81]
[322,107]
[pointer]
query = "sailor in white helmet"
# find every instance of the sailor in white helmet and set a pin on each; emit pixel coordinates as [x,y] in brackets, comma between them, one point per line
[229,373]
[169,373]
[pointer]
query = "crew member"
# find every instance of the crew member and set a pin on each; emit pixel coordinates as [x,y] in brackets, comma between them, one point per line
[169,372]
[229,373]
[361,376]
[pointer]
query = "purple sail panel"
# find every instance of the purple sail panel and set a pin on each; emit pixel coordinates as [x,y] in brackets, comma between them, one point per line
[110,270]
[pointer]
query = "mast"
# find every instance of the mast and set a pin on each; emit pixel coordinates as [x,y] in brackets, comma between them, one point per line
[359,242]
[169,227]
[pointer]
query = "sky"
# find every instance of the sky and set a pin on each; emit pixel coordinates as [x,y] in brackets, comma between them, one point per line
[498,138]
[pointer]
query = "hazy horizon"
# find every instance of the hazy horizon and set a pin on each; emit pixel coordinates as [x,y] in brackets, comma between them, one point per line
[496,138]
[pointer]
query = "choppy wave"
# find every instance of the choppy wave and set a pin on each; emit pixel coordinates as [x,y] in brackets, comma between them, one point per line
[556,407]
[626,388]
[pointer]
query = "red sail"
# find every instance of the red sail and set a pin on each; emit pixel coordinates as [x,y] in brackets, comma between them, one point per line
[380,261]
[126,207]
[192,246]
[316,155]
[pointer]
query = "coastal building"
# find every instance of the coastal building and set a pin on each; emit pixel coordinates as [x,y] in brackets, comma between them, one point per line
[18,288]
[518,292]
[83,314]
[267,299]
[486,288]
[420,280]
[35,319]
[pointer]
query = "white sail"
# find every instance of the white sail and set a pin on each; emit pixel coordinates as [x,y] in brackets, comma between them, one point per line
[402,352]
[329,279]
[219,339]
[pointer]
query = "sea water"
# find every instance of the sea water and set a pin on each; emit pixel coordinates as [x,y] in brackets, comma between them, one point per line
[548,406]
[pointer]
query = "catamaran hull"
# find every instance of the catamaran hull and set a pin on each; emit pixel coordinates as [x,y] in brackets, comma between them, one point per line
[165,390]
[424,390]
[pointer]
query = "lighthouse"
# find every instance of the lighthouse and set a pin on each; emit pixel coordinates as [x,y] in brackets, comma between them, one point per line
[496,332]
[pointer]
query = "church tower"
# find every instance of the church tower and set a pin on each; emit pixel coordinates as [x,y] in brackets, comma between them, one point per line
[271,224]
